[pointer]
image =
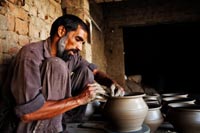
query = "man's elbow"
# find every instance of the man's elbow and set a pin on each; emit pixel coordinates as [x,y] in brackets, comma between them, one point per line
[95,71]
[25,118]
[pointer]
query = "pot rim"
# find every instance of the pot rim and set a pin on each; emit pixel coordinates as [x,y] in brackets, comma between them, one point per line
[132,95]
[174,94]
[185,107]
[153,95]
[176,99]
[153,106]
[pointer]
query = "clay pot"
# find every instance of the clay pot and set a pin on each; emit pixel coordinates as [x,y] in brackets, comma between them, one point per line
[154,117]
[152,102]
[126,113]
[168,100]
[184,117]
[153,98]
[175,94]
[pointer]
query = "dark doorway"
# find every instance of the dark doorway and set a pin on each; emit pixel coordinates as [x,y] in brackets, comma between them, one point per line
[166,55]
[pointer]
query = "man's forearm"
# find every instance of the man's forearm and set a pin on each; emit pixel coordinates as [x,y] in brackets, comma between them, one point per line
[51,109]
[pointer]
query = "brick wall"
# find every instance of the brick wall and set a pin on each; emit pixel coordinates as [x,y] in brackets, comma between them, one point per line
[21,24]
[92,14]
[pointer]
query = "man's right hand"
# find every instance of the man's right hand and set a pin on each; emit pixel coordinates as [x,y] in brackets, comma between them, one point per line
[89,93]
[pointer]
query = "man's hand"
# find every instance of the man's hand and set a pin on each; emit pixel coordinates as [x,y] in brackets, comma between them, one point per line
[101,93]
[116,90]
[92,92]
[113,89]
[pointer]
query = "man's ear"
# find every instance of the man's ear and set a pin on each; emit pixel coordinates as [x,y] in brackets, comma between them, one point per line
[61,31]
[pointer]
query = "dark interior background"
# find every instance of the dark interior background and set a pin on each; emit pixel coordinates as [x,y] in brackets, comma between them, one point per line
[166,55]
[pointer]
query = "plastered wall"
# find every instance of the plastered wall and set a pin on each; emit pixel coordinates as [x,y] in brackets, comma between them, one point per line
[137,13]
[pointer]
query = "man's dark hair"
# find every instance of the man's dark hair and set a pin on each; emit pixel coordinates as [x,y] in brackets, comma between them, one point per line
[70,22]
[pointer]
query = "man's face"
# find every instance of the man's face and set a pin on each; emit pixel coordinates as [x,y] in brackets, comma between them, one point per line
[74,40]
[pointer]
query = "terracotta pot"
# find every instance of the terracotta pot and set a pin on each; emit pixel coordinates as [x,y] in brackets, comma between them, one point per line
[184,117]
[126,113]
[154,117]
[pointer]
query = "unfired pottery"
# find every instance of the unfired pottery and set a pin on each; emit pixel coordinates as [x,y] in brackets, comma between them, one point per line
[184,117]
[153,98]
[174,94]
[152,102]
[126,113]
[168,100]
[154,117]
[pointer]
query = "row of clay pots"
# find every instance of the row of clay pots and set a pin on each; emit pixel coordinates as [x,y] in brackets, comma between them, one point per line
[184,117]
[129,113]
[181,111]
[158,107]
[168,100]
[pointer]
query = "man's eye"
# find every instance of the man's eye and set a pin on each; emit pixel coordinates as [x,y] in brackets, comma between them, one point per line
[78,39]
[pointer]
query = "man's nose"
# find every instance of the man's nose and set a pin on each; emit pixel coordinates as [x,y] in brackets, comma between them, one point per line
[79,46]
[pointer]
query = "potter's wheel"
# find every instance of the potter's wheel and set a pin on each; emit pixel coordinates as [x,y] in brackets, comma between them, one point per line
[99,127]
[145,129]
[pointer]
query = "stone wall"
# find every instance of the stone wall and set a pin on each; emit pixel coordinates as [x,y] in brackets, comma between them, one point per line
[21,23]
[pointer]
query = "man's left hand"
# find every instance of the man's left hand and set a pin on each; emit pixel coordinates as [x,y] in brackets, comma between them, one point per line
[116,90]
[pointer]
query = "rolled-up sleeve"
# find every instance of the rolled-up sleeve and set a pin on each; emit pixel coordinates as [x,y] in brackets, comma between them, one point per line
[31,106]
[26,82]
[92,66]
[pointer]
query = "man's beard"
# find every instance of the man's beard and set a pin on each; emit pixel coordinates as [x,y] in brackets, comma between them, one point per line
[62,52]
[61,46]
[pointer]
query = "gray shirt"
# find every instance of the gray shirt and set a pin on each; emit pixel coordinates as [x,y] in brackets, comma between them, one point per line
[31,90]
